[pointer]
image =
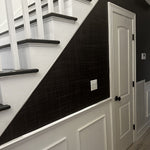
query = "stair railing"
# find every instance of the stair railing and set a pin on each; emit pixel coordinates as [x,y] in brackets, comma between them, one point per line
[61,6]
[26,19]
[39,17]
[50,6]
[12,34]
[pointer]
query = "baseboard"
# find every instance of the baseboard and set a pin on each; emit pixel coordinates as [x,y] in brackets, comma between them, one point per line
[142,131]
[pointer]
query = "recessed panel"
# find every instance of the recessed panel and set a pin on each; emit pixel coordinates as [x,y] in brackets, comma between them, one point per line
[148,104]
[58,145]
[124,115]
[140,105]
[93,135]
[6,59]
[123,57]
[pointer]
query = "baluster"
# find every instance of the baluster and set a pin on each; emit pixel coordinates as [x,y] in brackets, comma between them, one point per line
[1,96]
[12,33]
[61,6]
[25,10]
[1,67]
[50,6]
[39,16]
[70,11]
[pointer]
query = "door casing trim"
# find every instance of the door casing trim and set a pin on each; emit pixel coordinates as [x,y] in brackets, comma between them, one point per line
[111,9]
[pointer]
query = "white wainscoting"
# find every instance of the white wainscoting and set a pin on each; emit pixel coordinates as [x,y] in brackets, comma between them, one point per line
[147,97]
[93,135]
[59,145]
[88,129]
[142,108]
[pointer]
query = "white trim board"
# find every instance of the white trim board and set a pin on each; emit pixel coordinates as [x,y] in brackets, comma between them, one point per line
[58,122]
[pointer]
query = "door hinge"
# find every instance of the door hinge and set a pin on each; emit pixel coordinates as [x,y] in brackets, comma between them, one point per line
[133,83]
[133,37]
[133,126]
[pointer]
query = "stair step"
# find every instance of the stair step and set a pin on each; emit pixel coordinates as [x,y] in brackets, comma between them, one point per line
[4,107]
[41,41]
[45,17]
[10,72]
[53,1]
[50,15]
[34,10]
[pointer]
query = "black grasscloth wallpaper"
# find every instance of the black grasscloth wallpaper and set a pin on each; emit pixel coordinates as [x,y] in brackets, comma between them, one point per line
[66,87]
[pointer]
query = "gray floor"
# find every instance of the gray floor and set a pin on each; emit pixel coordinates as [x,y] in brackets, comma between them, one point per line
[143,143]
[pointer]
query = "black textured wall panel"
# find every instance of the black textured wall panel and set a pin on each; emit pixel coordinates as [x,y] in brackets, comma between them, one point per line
[66,87]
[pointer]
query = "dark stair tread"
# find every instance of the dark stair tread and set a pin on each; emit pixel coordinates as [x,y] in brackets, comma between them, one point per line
[55,15]
[44,17]
[60,16]
[17,72]
[41,41]
[4,107]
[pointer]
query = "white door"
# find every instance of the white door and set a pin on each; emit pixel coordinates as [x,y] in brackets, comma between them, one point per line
[122,45]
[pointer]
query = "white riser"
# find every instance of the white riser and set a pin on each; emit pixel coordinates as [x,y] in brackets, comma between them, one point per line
[6,59]
[17,89]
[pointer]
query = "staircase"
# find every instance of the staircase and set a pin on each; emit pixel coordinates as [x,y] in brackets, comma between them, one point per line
[30,44]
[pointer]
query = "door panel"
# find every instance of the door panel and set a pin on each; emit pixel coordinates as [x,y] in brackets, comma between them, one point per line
[124,114]
[123,70]
[122,30]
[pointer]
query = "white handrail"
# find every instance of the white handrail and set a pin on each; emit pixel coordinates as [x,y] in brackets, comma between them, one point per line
[12,33]
[61,6]
[26,19]
[39,16]
[50,6]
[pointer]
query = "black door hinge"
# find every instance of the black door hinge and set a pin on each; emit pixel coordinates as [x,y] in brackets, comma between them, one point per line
[133,84]
[133,37]
[133,126]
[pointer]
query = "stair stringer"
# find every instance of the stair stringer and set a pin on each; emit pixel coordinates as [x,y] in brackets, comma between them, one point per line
[17,89]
